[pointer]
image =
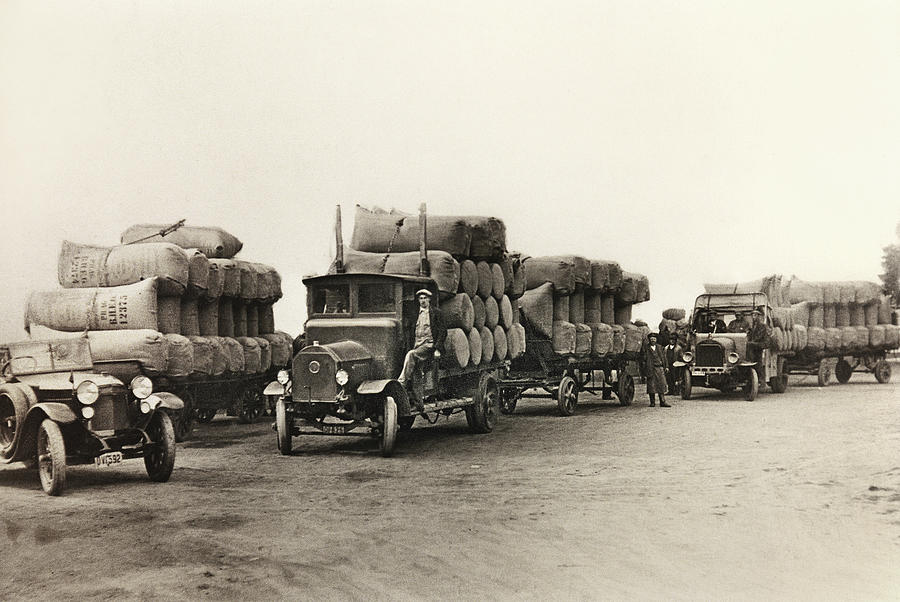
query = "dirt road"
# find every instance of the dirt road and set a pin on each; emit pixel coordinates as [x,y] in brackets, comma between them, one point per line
[793,496]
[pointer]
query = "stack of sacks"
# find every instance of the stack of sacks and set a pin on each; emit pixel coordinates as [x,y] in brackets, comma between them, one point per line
[674,321]
[177,292]
[772,286]
[842,317]
[582,306]
[478,281]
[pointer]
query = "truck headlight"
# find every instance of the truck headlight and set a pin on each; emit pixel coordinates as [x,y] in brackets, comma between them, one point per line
[141,386]
[283,377]
[87,392]
[687,356]
[341,377]
[150,403]
[733,358]
[87,412]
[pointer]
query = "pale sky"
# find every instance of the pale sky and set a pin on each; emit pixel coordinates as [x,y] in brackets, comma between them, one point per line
[690,141]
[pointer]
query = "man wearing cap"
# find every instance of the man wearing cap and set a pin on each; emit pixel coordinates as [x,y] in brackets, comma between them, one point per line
[715,323]
[655,369]
[738,324]
[757,340]
[430,334]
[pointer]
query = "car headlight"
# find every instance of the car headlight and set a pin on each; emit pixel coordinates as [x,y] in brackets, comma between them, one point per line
[87,412]
[687,356]
[733,358]
[87,392]
[150,403]
[341,377]
[283,377]
[141,386]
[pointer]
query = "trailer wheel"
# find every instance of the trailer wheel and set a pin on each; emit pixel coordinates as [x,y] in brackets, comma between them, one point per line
[625,390]
[482,414]
[883,372]
[752,386]
[843,371]
[388,427]
[282,428]
[686,384]
[51,457]
[824,374]
[508,400]
[185,422]
[567,396]
[205,415]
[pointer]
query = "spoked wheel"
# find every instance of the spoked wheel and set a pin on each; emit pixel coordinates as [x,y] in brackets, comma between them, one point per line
[185,423]
[686,384]
[405,423]
[205,415]
[13,406]
[882,371]
[567,396]
[843,371]
[388,427]
[159,455]
[251,404]
[752,387]
[824,373]
[283,428]
[625,390]
[51,457]
[482,414]
[508,400]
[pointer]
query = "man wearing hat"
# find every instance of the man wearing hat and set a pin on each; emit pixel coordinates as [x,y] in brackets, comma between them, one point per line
[430,333]
[655,369]
[757,340]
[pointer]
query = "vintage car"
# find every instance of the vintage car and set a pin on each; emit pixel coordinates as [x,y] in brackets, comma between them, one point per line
[54,410]
[717,358]
[344,381]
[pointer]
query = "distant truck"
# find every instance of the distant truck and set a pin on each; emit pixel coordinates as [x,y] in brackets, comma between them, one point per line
[719,360]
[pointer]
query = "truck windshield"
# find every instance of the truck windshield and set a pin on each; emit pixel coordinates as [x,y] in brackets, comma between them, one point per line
[333,299]
[377,298]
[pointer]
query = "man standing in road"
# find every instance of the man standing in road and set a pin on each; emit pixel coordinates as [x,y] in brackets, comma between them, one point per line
[430,334]
[673,354]
[655,368]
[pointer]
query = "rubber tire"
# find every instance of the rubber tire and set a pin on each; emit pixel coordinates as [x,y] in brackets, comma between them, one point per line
[625,390]
[185,423]
[389,428]
[282,429]
[882,372]
[824,373]
[508,400]
[779,384]
[160,460]
[249,406]
[52,458]
[205,415]
[14,405]
[405,423]
[567,396]
[686,385]
[843,371]
[481,415]
[751,389]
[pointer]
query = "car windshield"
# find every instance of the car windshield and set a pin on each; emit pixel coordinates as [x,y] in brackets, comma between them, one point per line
[35,357]
[332,299]
[377,298]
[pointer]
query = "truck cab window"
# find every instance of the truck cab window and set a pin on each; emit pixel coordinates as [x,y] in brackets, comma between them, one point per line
[333,299]
[376,298]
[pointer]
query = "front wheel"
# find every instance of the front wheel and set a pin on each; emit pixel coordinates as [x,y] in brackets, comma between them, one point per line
[686,384]
[389,427]
[159,454]
[843,370]
[567,396]
[282,428]
[883,372]
[625,390]
[482,414]
[752,386]
[51,457]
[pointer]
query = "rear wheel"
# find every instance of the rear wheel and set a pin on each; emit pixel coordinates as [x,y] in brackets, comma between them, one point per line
[567,396]
[752,387]
[482,414]
[51,457]
[282,428]
[405,423]
[686,384]
[13,406]
[843,370]
[159,455]
[824,373]
[625,390]
[388,427]
[508,400]
[883,372]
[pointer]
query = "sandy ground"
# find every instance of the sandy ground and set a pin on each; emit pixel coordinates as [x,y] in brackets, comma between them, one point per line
[793,496]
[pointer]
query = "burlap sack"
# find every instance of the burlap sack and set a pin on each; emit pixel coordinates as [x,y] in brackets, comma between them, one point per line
[226,317]
[498,282]
[87,266]
[506,312]
[592,311]
[249,280]
[229,274]
[608,309]
[601,339]
[190,316]
[829,316]
[215,281]
[128,307]
[239,319]
[557,270]
[576,307]
[815,340]
[891,336]
[536,308]
[506,268]
[148,348]
[475,346]
[618,346]
[634,338]
[468,277]
[842,313]
[862,337]
[560,308]
[805,292]
[800,313]
[623,314]
[266,319]
[212,242]
[235,354]
[485,279]
[169,315]
[871,313]
[515,311]
[487,343]
[252,320]
[606,276]
[280,345]
[501,346]
[180,362]
[564,338]
[673,313]
[516,341]
[459,312]
[884,310]
[220,359]
[204,357]
[582,339]
[816,316]
[445,271]
[265,353]
[491,313]
[252,354]
[628,293]
[848,338]
[520,278]
[857,315]
[802,336]
[456,349]
[782,317]
[198,272]
[479,313]
[876,337]
[834,339]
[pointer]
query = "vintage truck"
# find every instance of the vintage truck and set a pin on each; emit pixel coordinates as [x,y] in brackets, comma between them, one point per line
[55,409]
[719,360]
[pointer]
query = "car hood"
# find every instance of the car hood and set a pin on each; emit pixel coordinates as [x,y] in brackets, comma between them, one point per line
[67,381]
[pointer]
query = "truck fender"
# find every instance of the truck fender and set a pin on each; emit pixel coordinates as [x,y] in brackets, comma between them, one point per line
[390,387]
[678,364]
[169,401]
[747,364]
[57,412]
[274,388]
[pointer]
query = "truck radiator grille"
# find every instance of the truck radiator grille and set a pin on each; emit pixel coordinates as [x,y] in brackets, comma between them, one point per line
[710,355]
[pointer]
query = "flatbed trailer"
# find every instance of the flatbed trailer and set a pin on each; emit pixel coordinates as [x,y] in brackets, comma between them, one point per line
[842,364]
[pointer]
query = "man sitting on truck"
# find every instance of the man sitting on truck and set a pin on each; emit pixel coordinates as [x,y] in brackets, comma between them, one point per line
[757,340]
[738,324]
[430,333]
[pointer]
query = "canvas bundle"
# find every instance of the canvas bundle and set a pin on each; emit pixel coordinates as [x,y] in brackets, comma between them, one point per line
[203,357]
[445,270]
[459,312]
[606,276]
[501,346]
[536,307]
[456,349]
[128,307]
[198,272]
[211,241]
[673,313]
[601,339]
[229,274]
[564,338]
[582,339]
[475,347]
[180,362]
[147,347]
[86,266]
[557,270]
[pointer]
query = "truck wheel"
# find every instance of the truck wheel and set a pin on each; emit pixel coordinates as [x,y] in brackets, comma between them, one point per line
[13,406]
[185,423]
[824,374]
[159,454]
[389,427]
[250,405]
[625,390]
[205,415]
[567,396]
[843,371]
[405,423]
[51,457]
[482,414]
[282,428]
[752,386]
[686,384]
[779,383]
[883,372]
[508,400]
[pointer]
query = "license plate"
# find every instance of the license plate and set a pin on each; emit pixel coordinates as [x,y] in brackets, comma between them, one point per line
[336,429]
[108,459]
[697,373]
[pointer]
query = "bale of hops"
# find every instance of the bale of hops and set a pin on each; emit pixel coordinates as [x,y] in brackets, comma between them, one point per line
[479,312]
[468,277]
[485,279]
[235,354]
[561,308]
[815,340]
[456,349]
[876,336]
[198,273]
[252,354]
[445,271]
[190,316]
[519,277]
[848,338]
[563,338]
[215,281]
[506,312]
[816,316]
[606,276]
[168,315]
[577,307]
[252,320]
[623,314]
[239,319]
[667,326]
[829,316]
[280,344]
[229,274]
[846,292]
[220,358]
[204,357]
[593,313]
[783,318]
[536,308]
[891,336]
[802,334]
[862,337]
[498,282]
[833,339]
[226,317]
[800,314]
[842,313]
[501,346]
[212,242]
[265,353]
[148,348]
[618,345]
[506,268]
[459,312]
[491,313]
[804,292]
[87,266]
[871,314]
[673,313]
[608,309]
[516,341]
[475,346]
[583,339]
[560,271]
[884,310]
[634,338]
[266,319]
[857,315]
[487,344]
[181,356]
[515,311]
[601,339]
